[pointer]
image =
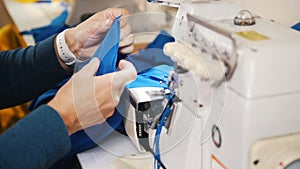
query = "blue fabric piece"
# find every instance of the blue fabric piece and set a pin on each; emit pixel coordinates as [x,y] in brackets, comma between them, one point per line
[47,96]
[162,38]
[57,25]
[148,76]
[152,77]
[149,58]
[153,55]
[108,50]
[296,27]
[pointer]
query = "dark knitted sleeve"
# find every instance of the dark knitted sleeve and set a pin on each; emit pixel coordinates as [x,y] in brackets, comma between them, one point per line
[26,73]
[35,142]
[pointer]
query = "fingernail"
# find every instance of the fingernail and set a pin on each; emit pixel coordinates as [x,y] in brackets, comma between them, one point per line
[93,60]
[107,22]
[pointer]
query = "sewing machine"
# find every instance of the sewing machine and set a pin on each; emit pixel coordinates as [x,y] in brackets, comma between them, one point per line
[236,94]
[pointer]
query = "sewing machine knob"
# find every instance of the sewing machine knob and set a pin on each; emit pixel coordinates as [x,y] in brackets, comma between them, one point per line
[244,18]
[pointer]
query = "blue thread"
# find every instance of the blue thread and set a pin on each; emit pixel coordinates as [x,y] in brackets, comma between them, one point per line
[156,145]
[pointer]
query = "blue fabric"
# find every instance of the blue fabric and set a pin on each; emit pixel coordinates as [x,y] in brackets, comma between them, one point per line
[108,50]
[162,38]
[47,96]
[57,25]
[153,54]
[296,26]
[152,67]
[152,77]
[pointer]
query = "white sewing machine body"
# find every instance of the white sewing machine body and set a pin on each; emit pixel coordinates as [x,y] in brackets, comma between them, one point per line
[248,121]
[252,119]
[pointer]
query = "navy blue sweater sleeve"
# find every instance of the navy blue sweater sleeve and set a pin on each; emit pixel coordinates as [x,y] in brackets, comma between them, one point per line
[28,72]
[35,142]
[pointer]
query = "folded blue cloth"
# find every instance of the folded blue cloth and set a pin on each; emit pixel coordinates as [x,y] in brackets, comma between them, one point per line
[153,55]
[154,77]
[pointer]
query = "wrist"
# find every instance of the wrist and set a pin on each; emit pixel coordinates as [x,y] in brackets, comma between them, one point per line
[67,118]
[63,49]
[72,42]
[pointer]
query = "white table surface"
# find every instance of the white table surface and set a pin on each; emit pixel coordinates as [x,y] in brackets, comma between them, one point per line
[102,156]
[32,15]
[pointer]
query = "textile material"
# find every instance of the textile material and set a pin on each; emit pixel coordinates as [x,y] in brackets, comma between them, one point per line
[107,52]
[24,75]
[296,26]
[41,136]
[144,60]
[154,77]
[153,54]
[10,116]
[10,38]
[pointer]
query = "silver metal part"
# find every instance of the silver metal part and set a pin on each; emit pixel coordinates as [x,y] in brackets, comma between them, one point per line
[229,59]
[244,18]
[294,165]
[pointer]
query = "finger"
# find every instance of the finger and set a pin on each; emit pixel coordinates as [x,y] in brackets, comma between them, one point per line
[106,20]
[127,49]
[126,74]
[91,68]
[127,41]
[98,23]
[125,31]
[115,12]
[124,18]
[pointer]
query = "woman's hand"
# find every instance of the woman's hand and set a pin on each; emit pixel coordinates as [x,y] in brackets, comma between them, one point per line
[84,39]
[86,100]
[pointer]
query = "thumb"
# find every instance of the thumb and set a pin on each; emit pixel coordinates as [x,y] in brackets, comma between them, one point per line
[116,12]
[126,74]
[91,68]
